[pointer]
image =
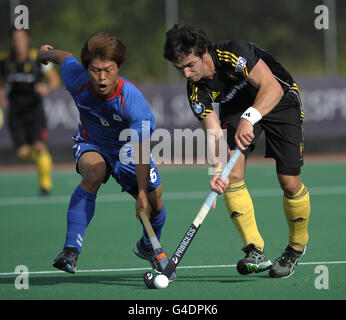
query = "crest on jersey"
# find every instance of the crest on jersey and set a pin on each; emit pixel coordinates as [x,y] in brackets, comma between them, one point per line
[116,117]
[198,107]
[241,64]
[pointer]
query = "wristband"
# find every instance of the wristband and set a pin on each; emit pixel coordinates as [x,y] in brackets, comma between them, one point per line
[252,115]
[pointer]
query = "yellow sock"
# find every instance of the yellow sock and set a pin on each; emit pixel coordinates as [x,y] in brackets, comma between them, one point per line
[44,167]
[240,208]
[297,212]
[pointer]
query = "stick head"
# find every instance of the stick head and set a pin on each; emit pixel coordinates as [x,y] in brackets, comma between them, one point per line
[149,280]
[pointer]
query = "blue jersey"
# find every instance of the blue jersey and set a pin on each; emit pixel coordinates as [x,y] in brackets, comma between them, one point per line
[103,119]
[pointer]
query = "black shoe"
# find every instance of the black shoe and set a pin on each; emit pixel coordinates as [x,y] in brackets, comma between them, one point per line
[285,265]
[44,192]
[67,260]
[254,261]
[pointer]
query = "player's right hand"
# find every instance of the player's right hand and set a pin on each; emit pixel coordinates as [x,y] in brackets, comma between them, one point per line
[142,203]
[244,134]
[41,55]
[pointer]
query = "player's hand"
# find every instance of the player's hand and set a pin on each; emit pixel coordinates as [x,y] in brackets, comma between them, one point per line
[244,134]
[42,88]
[3,102]
[218,184]
[41,55]
[142,203]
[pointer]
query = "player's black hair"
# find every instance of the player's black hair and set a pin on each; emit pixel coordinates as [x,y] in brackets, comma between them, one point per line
[182,38]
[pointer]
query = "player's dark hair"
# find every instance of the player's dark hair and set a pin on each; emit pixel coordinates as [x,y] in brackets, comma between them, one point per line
[104,46]
[182,38]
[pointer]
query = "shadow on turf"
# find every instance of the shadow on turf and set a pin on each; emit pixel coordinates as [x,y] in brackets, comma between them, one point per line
[133,280]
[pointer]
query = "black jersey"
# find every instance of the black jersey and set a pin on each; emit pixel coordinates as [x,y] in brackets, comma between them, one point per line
[233,61]
[21,78]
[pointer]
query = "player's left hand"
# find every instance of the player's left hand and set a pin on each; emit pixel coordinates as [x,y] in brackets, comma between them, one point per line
[142,203]
[244,134]
[42,88]
[218,184]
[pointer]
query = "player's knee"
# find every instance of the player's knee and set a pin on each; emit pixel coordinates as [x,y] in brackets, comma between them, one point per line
[291,185]
[39,146]
[23,152]
[93,176]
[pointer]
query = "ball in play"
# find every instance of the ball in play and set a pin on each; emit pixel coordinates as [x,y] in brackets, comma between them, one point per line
[161,281]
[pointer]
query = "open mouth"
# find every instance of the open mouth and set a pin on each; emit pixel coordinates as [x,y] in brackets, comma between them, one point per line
[102,87]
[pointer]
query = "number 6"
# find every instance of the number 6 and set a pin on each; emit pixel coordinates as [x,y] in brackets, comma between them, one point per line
[153,175]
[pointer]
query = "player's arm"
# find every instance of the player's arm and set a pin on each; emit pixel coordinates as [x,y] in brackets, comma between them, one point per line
[3,100]
[47,54]
[142,169]
[53,82]
[268,96]
[217,149]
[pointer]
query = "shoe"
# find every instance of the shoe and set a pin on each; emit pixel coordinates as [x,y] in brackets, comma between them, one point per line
[150,256]
[44,192]
[285,265]
[67,260]
[254,261]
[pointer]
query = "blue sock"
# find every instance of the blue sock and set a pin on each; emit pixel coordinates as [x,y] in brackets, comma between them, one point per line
[79,214]
[157,222]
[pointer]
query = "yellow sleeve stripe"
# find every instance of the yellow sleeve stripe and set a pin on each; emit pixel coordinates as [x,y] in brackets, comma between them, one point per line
[205,113]
[224,56]
[232,58]
[194,95]
[33,53]
[295,87]
[227,53]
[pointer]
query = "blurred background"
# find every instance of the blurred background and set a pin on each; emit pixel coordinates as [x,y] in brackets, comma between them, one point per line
[315,57]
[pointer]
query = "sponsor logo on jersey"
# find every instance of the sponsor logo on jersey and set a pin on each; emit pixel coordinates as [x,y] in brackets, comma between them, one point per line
[198,108]
[117,117]
[234,90]
[240,66]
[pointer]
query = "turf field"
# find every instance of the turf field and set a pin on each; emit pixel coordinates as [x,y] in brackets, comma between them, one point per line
[32,232]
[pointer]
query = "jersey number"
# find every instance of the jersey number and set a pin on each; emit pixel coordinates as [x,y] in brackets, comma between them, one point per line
[153,175]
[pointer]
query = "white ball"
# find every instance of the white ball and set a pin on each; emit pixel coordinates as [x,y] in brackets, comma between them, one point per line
[161,281]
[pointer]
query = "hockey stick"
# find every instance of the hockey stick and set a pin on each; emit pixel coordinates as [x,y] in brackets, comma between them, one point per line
[191,232]
[160,254]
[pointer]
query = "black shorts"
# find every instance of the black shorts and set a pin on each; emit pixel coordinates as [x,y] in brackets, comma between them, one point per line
[27,127]
[283,128]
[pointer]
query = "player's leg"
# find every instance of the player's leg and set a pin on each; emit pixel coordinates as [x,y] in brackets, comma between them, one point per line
[240,206]
[43,160]
[285,144]
[37,134]
[92,167]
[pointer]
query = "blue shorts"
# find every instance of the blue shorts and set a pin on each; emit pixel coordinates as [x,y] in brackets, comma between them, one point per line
[124,174]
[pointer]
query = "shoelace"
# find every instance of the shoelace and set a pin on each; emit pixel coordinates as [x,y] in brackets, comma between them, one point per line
[287,257]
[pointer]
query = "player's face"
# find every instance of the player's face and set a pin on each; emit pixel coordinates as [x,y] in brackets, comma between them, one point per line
[20,41]
[191,66]
[103,76]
